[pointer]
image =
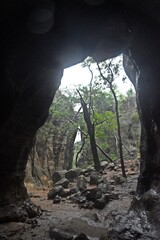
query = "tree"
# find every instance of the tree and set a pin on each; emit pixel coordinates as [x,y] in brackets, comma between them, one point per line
[112,73]
[91,133]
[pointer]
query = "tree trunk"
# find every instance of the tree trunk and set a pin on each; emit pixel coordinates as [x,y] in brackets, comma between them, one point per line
[117,115]
[119,132]
[91,134]
[69,150]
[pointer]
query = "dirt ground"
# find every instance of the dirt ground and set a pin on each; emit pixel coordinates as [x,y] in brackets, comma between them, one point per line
[69,217]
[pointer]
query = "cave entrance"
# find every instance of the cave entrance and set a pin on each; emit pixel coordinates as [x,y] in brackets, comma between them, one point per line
[63,142]
[61,162]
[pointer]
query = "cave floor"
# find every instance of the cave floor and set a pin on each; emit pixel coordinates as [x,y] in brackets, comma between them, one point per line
[69,218]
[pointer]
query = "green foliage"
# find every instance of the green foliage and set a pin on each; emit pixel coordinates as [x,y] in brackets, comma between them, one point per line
[60,112]
[130,93]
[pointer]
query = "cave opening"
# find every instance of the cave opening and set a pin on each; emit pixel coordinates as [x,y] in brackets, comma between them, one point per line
[66,175]
[66,122]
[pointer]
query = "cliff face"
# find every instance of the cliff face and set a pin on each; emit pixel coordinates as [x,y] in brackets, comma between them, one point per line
[40,38]
[130,128]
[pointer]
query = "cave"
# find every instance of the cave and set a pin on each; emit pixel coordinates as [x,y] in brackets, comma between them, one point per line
[40,39]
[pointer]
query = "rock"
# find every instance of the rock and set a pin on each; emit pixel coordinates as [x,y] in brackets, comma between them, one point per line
[90,194]
[104,164]
[74,190]
[118,179]
[54,192]
[65,193]
[95,178]
[63,182]
[91,216]
[89,205]
[104,187]
[58,175]
[82,199]
[98,194]
[72,174]
[81,183]
[11,230]
[112,181]
[93,194]
[56,234]
[111,196]
[81,236]
[150,199]
[32,210]
[111,166]
[82,172]
[88,171]
[75,197]
[100,203]
[131,225]
[57,199]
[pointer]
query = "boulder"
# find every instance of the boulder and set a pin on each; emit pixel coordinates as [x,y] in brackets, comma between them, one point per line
[95,178]
[81,236]
[65,193]
[58,175]
[72,174]
[57,199]
[81,183]
[73,190]
[56,234]
[111,166]
[100,203]
[63,182]
[104,164]
[82,199]
[54,192]
[149,199]
[91,194]
[104,187]
[118,179]
[75,197]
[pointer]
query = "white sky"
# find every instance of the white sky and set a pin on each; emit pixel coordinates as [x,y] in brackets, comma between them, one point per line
[76,75]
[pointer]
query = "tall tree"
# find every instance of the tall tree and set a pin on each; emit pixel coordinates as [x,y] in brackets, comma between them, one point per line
[112,72]
[91,133]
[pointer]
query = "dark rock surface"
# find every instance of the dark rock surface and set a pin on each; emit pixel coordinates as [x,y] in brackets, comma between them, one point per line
[81,236]
[58,175]
[73,173]
[95,178]
[56,234]
[63,182]
[81,183]
[54,192]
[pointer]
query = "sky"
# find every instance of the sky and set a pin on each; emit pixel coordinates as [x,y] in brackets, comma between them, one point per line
[76,75]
